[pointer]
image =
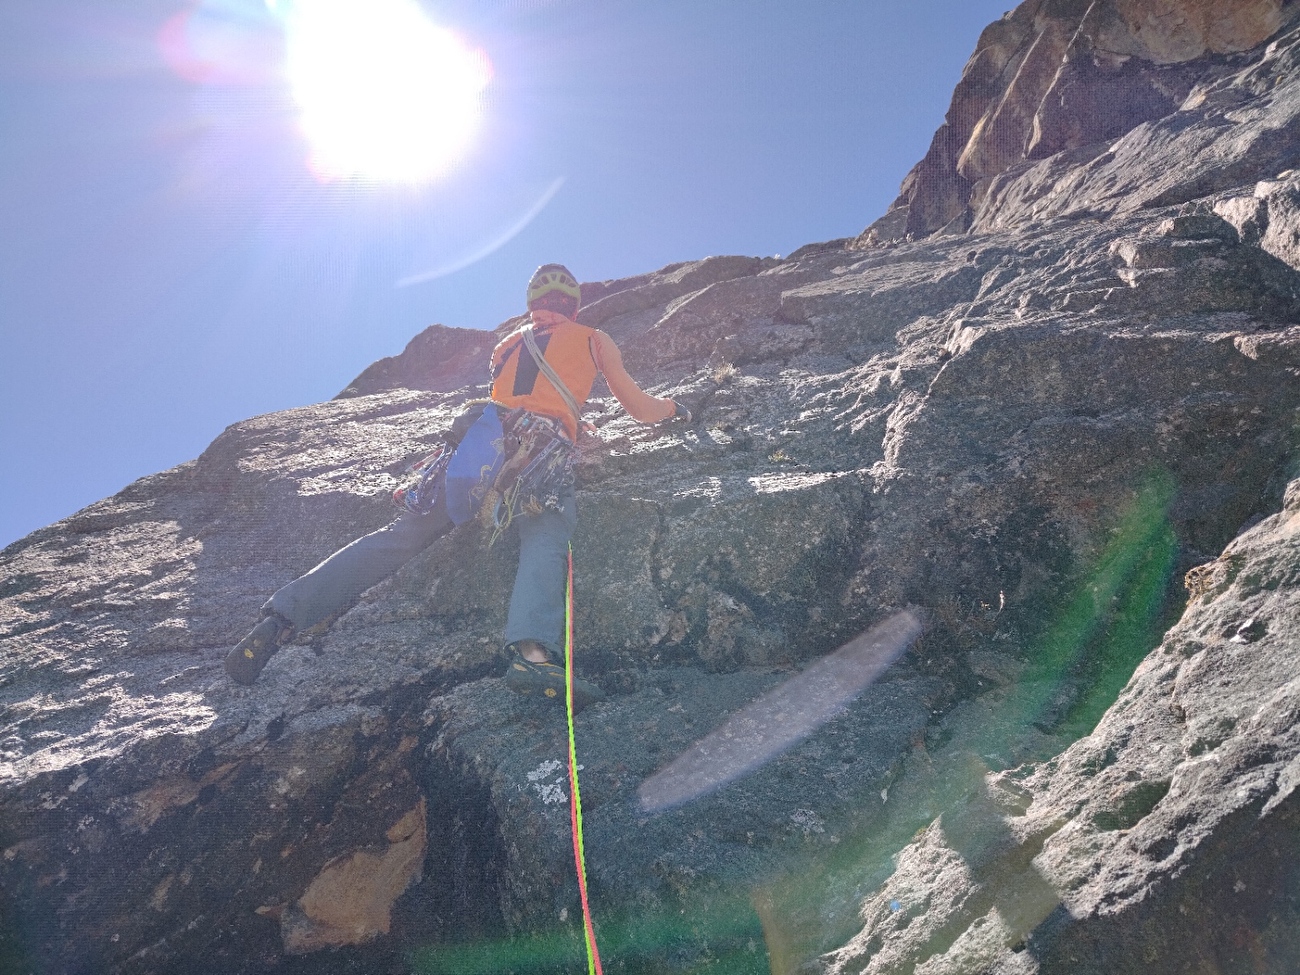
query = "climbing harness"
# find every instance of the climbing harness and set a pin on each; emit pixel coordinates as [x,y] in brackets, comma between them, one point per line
[538,466]
[539,458]
[575,798]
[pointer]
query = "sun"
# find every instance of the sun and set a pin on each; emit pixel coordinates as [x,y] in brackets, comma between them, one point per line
[383,93]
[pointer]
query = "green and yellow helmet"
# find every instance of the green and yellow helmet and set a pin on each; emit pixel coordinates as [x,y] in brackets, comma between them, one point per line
[552,278]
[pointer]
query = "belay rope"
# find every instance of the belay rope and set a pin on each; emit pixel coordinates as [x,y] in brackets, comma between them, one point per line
[575,798]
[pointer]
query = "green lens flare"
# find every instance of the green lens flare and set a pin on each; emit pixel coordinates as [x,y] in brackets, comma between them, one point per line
[1106,625]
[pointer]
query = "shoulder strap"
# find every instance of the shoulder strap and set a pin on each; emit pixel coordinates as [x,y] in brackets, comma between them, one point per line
[530,343]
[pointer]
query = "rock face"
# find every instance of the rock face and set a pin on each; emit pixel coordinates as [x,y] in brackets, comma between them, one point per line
[1032,430]
[1164,841]
[1066,75]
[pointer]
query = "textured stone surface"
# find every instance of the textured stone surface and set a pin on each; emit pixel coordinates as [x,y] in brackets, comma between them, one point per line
[439,359]
[1164,841]
[1031,426]
[351,900]
[1061,76]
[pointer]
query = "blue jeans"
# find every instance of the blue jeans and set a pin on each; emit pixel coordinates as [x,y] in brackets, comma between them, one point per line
[536,604]
[537,601]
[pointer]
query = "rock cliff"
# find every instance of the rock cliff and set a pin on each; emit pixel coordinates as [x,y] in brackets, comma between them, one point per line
[1050,399]
[1058,76]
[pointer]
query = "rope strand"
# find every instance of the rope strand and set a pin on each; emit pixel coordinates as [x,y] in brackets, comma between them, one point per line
[575,799]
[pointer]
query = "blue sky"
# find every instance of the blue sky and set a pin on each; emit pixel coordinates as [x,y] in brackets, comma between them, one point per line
[170,265]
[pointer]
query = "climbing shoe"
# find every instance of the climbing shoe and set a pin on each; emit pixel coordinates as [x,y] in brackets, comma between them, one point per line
[547,680]
[250,655]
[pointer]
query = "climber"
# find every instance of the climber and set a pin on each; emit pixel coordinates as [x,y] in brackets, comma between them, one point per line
[509,458]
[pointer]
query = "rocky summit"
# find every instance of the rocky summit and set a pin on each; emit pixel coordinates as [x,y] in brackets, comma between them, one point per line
[1049,404]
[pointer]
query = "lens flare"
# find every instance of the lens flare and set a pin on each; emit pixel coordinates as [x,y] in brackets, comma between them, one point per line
[782,717]
[383,93]
[221,42]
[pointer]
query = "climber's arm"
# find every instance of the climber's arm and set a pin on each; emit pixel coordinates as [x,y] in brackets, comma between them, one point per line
[640,404]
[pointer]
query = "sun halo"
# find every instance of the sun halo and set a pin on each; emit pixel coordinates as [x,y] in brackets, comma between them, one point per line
[383,93]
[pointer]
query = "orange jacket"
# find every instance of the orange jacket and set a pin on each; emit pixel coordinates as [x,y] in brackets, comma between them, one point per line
[577,353]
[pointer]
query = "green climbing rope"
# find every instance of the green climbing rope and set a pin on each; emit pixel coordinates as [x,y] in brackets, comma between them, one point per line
[575,797]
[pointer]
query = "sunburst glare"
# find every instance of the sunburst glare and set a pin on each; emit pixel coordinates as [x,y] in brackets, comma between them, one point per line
[384,93]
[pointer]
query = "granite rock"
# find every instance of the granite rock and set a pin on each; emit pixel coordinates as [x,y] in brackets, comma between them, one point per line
[1062,76]
[1030,427]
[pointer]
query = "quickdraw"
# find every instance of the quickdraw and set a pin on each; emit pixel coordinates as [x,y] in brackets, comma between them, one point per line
[422,484]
